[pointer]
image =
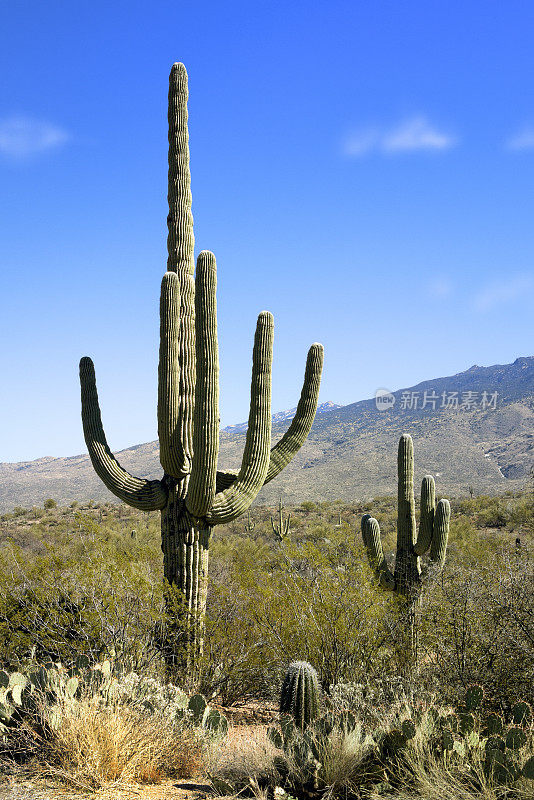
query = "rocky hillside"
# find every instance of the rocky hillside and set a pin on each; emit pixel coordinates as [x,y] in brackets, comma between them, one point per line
[475,429]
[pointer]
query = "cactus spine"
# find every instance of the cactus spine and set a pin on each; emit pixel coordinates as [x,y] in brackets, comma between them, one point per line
[300,694]
[281,529]
[408,576]
[192,495]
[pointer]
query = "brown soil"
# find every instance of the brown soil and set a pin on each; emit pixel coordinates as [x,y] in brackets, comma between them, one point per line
[41,790]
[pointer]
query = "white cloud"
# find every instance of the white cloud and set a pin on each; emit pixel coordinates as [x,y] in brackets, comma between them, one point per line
[21,137]
[500,292]
[416,134]
[524,140]
[411,135]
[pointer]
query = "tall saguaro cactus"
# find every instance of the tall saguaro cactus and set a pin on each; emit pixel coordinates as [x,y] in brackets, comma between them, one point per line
[408,576]
[192,495]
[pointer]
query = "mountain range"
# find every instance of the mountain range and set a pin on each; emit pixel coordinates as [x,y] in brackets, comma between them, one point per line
[282,416]
[473,429]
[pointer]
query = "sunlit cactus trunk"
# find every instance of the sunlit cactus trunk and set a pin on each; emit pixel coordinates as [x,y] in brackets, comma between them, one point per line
[192,495]
[185,544]
[408,577]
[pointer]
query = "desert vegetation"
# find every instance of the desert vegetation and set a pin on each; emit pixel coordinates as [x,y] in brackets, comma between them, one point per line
[82,598]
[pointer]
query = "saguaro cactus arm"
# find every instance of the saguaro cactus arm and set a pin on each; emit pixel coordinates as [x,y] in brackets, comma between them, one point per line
[171,454]
[232,502]
[225,479]
[375,552]
[295,436]
[426,517]
[202,483]
[293,439]
[137,492]
[440,534]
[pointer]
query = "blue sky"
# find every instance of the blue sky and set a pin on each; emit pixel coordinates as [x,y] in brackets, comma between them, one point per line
[364,170]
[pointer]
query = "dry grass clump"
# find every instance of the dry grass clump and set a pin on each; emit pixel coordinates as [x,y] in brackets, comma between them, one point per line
[422,773]
[249,760]
[429,778]
[245,759]
[345,758]
[92,746]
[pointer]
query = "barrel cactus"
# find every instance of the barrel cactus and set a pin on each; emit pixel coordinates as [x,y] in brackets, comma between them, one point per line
[192,495]
[300,694]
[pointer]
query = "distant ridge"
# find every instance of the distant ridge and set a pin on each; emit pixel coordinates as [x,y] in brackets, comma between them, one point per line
[350,453]
[282,416]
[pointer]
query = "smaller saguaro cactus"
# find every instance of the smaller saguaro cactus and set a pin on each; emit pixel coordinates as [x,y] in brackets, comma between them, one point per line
[408,576]
[281,529]
[300,694]
[433,529]
[250,524]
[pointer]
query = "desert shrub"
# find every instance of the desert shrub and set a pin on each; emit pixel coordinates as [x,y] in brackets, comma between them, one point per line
[478,624]
[522,513]
[308,599]
[88,586]
[81,595]
[92,725]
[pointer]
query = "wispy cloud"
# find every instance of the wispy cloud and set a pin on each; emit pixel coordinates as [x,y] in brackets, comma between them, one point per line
[22,137]
[409,136]
[499,293]
[523,140]
[440,288]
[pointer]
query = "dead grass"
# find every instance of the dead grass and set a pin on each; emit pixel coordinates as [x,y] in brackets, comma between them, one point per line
[429,777]
[91,747]
[244,759]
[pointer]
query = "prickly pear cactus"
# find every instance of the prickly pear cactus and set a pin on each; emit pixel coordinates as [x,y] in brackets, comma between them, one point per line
[505,748]
[50,685]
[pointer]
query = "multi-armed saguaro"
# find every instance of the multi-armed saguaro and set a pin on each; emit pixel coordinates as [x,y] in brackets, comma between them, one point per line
[408,576]
[282,529]
[192,495]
